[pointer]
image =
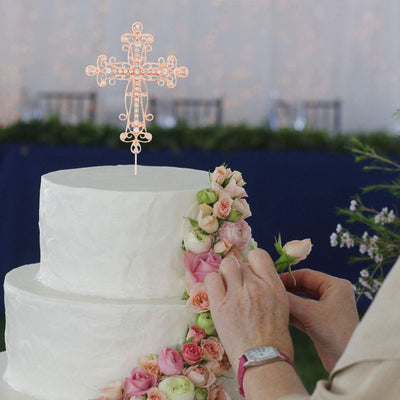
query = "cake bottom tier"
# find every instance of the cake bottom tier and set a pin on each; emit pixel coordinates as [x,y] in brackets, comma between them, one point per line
[64,346]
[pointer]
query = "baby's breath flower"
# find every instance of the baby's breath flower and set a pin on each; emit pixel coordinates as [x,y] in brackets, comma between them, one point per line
[353,205]
[334,241]
[378,258]
[368,295]
[385,216]
[346,240]
[363,248]
[339,228]
[364,273]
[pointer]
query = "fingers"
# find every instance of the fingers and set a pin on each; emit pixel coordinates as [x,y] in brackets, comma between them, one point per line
[215,287]
[300,309]
[263,266]
[309,282]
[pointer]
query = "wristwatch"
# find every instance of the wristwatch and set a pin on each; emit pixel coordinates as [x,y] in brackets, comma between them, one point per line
[258,356]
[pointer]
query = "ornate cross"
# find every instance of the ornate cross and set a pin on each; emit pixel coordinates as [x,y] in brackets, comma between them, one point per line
[136,71]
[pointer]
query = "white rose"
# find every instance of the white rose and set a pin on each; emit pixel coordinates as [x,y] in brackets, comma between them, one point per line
[197,242]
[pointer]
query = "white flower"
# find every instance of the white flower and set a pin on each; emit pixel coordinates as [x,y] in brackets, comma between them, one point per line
[346,240]
[353,205]
[385,216]
[364,273]
[365,236]
[378,258]
[197,242]
[334,241]
[368,295]
[339,228]
[363,248]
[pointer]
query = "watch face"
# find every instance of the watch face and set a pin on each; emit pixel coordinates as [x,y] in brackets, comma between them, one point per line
[261,355]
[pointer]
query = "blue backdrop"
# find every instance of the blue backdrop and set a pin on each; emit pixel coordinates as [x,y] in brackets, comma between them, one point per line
[292,193]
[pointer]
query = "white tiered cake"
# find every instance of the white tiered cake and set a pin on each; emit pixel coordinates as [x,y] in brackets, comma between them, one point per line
[109,281]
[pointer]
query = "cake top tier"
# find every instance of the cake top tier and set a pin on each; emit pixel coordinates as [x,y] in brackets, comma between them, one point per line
[122,178]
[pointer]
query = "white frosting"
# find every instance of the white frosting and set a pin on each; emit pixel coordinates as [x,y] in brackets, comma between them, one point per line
[64,346]
[106,232]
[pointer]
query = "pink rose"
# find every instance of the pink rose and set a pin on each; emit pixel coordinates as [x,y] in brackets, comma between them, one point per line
[243,207]
[139,383]
[191,353]
[220,174]
[113,391]
[236,233]
[222,207]
[218,392]
[219,367]
[196,333]
[170,362]
[198,298]
[222,247]
[200,375]
[212,348]
[298,248]
[156,394]
[206,219]
[198,266]
[237,176]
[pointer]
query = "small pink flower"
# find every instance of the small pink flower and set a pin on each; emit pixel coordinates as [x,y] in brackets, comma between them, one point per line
[222,247]
[298,248]
[233,189]
[218,392]
[212,349]
[139,383]
[220,174]
[191,353]
[156,394]
[222,207]
[113,391]
[236,233]
[219,367]
[200,375]
[170,362]
[243,207]
[200,265]
[198,298]
[196,333]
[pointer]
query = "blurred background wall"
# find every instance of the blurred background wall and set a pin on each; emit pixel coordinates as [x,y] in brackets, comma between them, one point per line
[247,52]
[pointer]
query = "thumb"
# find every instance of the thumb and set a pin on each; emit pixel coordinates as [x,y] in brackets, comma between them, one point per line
[300,310]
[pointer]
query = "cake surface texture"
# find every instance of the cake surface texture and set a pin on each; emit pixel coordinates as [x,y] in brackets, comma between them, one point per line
[106,232]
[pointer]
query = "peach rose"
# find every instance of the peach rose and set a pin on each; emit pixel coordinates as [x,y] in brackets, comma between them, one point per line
[198,298]
[200,375]
[222,207]
[220,174]
[237,176]
[243,207]
[218,392]
[156,394]
[212,349]
[206,220]
[150,366]
[233,190]
[298,248]
[222,247]
[113,391]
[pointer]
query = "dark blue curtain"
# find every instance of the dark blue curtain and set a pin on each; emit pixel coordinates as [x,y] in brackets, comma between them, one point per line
[292,193]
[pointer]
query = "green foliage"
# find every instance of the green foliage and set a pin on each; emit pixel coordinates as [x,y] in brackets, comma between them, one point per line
[226,138]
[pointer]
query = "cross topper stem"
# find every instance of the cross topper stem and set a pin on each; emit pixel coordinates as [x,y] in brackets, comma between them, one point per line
[136,71]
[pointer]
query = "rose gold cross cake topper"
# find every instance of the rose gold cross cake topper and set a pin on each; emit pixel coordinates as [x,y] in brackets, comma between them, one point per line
[136,71]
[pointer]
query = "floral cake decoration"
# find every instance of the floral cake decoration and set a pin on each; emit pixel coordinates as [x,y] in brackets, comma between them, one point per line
[193,370]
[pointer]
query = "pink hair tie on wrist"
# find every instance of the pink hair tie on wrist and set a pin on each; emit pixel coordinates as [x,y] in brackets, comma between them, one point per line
[259,356]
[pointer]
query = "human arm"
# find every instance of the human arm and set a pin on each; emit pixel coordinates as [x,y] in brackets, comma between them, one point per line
[250,308]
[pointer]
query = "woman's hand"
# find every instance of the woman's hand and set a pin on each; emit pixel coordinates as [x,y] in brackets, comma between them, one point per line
[249,306]
[329,321]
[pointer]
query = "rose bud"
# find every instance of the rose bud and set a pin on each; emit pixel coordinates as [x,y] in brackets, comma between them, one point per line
[299,249]
[204,321]
[237,176]
[200,394]
[243,207]
[206,220]
[220,174]
[207,196]
[222,247]
[197,242]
